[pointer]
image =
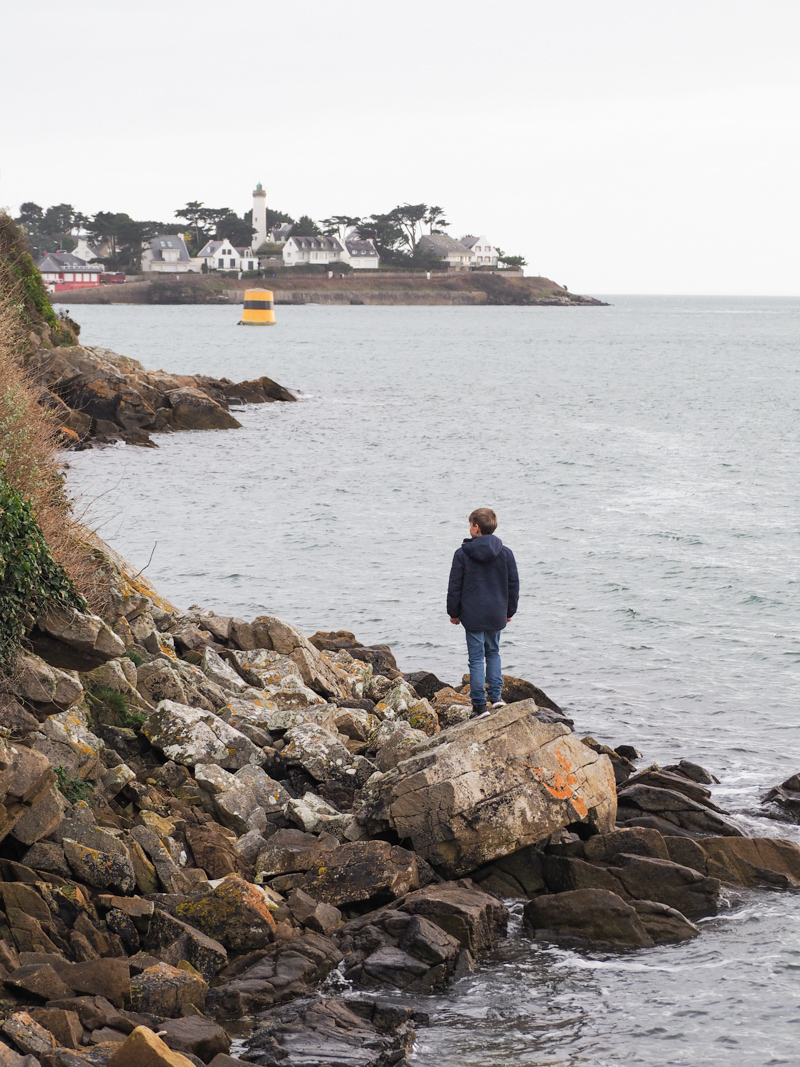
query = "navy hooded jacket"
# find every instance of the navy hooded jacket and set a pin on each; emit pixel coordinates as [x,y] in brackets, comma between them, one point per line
[484,585]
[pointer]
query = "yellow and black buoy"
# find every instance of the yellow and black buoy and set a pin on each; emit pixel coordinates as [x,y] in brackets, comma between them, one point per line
[258,308]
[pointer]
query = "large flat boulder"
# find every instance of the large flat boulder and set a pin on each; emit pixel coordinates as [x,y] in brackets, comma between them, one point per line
[595,917]
[491,786]
[638,878]
[742,861]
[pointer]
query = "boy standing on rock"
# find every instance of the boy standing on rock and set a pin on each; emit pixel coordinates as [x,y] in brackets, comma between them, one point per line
[483,594]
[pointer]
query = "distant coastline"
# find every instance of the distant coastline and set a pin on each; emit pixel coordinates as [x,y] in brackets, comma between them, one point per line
[472,288]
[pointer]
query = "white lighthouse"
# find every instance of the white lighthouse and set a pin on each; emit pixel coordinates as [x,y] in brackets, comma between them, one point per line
[259,217]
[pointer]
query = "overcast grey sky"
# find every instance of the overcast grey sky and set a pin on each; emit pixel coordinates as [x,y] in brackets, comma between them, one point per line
[627,146]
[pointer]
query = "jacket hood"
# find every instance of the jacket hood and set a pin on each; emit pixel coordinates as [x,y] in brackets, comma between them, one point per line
[483,549]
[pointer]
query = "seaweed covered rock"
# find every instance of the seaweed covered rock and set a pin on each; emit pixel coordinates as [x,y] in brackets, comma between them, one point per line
[236,914]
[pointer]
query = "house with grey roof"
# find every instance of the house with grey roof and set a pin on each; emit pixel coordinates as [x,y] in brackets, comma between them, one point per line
[452,252]
[361,255]
[63,270]
[224,255]
[166,253]
[313,251]
[486,255]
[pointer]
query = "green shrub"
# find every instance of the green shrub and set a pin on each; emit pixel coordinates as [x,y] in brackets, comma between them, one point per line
[30,579]
[136,658]
[74,789]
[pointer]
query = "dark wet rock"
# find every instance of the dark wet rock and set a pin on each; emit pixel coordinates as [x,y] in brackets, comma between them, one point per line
[401,951]
[314,914]
[628,751]
[677,781]
[476,919]
[692,771]
[664,924]
[261,390]
[516,689]
[638,878]
[363,872]
[334,1032]
[636,841]
[287,969]
[672,805]
[596,917]
[743,861]
[167,991]
[503,883]
[196,1035]
[172,940]
[426,684]
[785,798]
[485,788]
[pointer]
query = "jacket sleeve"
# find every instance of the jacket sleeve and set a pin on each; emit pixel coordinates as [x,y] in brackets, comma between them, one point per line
[455,585]
[513,585]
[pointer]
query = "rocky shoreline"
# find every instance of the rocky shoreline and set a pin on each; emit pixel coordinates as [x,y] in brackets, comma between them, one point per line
[471,288]
[98,397]
[213,826]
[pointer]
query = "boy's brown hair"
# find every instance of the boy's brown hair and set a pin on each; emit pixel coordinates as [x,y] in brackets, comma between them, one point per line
[485,519]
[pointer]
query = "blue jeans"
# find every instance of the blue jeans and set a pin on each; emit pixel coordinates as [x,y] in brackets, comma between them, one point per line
[484,644]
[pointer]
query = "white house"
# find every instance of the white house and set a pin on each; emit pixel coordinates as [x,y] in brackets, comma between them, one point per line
[302,251]
[83,250]
[167,253]
[222,255]
[486,255]
[452,252]
[361,255]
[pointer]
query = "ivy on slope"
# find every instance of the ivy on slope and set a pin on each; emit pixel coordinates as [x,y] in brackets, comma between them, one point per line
[30,579]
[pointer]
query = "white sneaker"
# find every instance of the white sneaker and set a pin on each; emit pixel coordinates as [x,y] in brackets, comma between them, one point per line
[499,704]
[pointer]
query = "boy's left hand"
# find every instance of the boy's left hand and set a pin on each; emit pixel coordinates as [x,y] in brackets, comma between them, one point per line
[455,622]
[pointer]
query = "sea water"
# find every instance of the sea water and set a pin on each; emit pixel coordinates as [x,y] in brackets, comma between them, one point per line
[642,459]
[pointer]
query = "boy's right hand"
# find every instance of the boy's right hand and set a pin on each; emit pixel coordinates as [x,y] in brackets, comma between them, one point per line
[455,622]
